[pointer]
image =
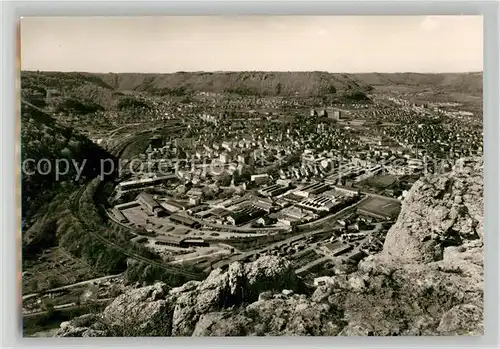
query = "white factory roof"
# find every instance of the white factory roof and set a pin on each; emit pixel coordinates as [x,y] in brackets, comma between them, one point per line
[145,180]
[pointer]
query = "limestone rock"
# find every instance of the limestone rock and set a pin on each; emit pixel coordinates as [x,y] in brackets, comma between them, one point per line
[140,311]
[220,324]
[448,205]
[222,289]
[464,319]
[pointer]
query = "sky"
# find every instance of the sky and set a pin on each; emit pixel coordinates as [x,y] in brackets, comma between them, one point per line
[348,44]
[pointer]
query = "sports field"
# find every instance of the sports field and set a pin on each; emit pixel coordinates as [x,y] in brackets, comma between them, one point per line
[379,206]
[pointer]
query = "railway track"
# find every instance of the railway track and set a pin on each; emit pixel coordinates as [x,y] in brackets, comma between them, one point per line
[75,206]
[119,149]
[75,203]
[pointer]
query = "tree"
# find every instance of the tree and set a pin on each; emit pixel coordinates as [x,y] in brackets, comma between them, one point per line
[52,282]
[33,285]
[278,88]
[332,89]
[225,180]
[236,177]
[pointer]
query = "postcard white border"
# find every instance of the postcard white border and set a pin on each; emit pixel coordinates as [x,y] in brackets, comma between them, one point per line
[12,11]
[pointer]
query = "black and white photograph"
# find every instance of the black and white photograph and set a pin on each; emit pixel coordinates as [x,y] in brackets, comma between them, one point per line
[251,175]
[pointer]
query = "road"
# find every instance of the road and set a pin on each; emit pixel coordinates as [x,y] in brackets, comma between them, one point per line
[367,193]
[236,229]
[68,306]
[113,132]
[81,283]
[206,233]
[194,258]
[267,248]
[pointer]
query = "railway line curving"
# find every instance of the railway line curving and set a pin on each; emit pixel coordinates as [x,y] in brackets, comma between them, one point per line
[75,207]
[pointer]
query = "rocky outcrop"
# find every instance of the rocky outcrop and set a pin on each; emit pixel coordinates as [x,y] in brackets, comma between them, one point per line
[223,289]
[156,310]
[142,311]
[283,315]
[439,211]
[82,326]
[428,280]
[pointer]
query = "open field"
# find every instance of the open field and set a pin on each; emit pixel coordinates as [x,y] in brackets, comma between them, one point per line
[379,182]
[379,206]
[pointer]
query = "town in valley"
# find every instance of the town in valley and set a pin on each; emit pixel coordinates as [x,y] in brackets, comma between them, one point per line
[251,176]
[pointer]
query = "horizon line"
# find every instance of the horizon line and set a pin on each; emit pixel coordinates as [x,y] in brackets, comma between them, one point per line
[252,71]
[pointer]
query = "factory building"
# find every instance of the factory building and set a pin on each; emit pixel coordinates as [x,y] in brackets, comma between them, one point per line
[312,189]
[341,250]
[188,222]
[234,201]
[293,216]
[141,183]
[318,204]
[263,204]
[197,209]
[245,215]
[150,205]
[219,214]
[334,114]
[289,221]
[194,200]
[170,207]
[273,190]
[119,216]
[179,241]
[176,205]
[266,220]
[127,205]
